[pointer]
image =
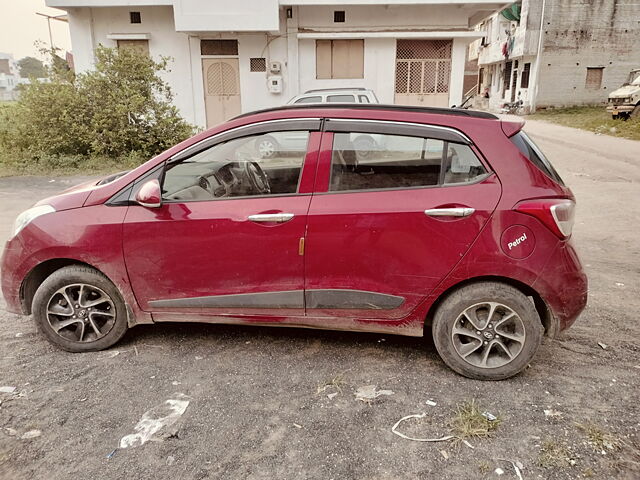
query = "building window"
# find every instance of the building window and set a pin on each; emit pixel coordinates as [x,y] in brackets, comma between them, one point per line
[258,64]
[507,77]
[339,59]
[141,46]
[339,16]
[594,78]
[135,17]
[524,79]
[218,47]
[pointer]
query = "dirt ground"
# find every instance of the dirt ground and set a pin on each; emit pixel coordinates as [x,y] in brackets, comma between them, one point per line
[255,411]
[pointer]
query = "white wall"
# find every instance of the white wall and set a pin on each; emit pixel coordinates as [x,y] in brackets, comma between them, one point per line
[221,16]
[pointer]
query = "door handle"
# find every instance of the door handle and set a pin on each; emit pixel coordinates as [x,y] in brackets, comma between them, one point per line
[271,217]
[449,212]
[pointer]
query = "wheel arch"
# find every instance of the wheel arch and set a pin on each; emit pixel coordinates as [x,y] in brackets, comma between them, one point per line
[40,273]
[549,322]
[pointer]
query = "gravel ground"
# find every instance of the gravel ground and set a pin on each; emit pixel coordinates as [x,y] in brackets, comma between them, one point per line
[255,410]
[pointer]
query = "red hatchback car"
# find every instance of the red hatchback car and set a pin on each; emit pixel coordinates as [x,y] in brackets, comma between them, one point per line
[362,217]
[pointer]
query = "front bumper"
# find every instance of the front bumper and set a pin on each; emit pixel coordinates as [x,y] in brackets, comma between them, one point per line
[616,109]
[564,286]
[11,280]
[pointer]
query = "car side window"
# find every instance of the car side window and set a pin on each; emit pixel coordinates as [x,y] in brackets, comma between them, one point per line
[463,166]
[341,98]
[372,161]
[363,161]
[309,100]
[363,98]
[267,164]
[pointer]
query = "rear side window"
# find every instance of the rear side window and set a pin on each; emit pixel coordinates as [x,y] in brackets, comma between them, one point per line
[309,100]
[341,98]
[363,98]
[363,161]
[535,156]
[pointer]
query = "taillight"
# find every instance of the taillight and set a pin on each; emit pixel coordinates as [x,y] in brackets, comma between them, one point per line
[556,214]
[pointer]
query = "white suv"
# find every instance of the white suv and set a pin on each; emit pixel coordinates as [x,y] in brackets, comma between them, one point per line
[336,95]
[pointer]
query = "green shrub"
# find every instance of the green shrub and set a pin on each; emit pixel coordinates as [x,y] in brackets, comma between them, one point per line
[120,110]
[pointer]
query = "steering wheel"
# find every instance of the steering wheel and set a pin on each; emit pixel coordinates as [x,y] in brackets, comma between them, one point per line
[257,178]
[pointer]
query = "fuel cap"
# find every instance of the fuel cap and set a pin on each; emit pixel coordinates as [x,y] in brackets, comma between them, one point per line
[518,241]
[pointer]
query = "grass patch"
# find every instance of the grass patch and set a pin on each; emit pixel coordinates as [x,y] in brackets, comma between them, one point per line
[336,383]
[468,422]
[593,119]
[554,453]
[599,439]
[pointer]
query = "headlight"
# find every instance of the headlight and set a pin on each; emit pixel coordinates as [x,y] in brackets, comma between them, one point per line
[28,215]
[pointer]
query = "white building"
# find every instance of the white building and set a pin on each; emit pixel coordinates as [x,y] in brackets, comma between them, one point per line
[9,77]
[583,51]
[233,56]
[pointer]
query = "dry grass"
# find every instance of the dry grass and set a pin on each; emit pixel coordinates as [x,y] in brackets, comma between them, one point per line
[468,422]
[598,438]
[594,119]
[554,453]
[336,383]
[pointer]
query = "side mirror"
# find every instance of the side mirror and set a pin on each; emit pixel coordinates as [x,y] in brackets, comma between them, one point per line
[149,194]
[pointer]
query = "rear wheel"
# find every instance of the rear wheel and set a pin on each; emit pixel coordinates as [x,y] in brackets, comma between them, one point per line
[487,331]
[80,310]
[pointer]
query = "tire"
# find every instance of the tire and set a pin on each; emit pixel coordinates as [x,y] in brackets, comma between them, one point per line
[96,318]
[267,147]
[635,113]
[514,327]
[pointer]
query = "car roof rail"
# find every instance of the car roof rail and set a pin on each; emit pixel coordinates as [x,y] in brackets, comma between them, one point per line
[375,106]
[317,90]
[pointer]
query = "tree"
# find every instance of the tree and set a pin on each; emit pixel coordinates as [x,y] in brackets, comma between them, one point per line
[122,107]
[31,67]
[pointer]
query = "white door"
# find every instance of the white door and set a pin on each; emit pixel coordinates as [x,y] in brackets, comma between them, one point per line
[221,89]
[423,72]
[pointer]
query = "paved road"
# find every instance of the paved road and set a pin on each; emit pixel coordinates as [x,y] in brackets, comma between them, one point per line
[255,411]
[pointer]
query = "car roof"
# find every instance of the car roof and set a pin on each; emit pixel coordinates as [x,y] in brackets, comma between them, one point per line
[374,106]
[345,89]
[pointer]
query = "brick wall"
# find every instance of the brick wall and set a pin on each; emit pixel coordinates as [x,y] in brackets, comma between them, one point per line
[586,33]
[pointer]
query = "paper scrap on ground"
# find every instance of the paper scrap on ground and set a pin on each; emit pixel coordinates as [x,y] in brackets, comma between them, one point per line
[154,420]
[370,392]
[7,389]
[417,415]
[552,413]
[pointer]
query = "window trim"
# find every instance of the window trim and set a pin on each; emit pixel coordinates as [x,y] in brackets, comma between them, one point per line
[281,125]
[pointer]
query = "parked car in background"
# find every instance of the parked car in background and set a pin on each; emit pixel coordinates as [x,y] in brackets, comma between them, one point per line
[336,95]
[458,227]
[625,101]
[286,143]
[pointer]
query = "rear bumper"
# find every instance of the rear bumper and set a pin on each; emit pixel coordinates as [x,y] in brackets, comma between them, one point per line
[564,287]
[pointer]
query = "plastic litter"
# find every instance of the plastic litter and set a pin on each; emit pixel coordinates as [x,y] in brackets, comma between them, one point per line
[431,403]
[31,434]
[371,392]
[499,471]
[155,420]
[417,415]
[603,346]
[332,395]
[7,389]
[297,426]
[552,413]
[112,453]
[489,416]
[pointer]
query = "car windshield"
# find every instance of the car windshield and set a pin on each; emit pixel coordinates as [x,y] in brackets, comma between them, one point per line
[635,75]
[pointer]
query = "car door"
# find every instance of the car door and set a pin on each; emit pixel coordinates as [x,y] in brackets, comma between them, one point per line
[226,239]
[386,226]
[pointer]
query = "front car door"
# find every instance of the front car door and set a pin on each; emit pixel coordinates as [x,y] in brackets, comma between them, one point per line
[226,239]
[386,226]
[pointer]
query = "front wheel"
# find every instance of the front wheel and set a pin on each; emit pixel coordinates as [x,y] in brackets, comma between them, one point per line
[79,310]
[487,331]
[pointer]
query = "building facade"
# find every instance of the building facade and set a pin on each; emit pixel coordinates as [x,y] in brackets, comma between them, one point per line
[558,53]
[9,77]
[233,57]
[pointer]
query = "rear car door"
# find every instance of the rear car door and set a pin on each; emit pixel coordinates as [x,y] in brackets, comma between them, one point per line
[385,226]
[225,240]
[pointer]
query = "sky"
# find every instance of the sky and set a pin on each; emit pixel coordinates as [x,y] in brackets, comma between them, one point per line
[20,27]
